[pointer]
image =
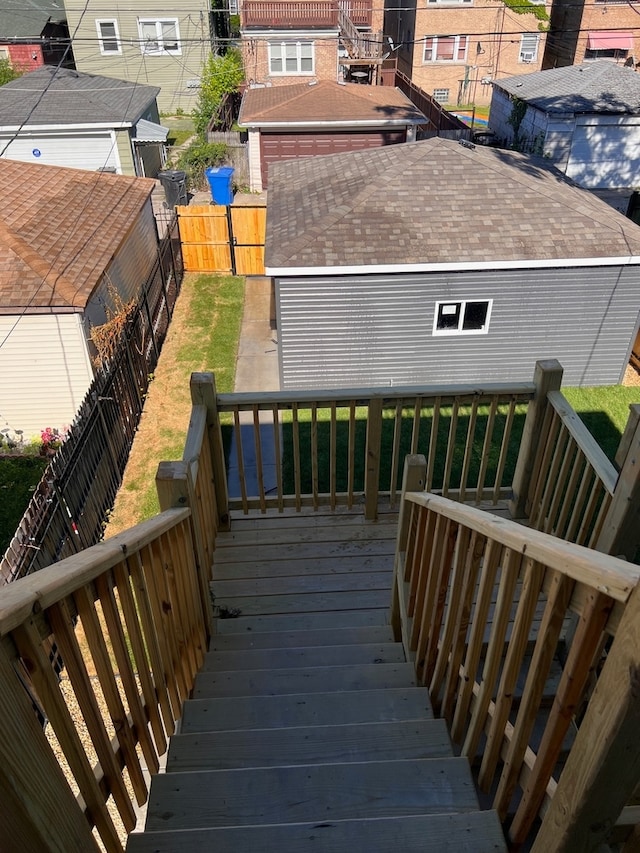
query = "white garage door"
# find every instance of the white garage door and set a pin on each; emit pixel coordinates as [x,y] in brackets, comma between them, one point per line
[91,151]
[605,155]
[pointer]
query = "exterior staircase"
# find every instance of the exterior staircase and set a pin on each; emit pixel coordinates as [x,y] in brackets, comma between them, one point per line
[306,730]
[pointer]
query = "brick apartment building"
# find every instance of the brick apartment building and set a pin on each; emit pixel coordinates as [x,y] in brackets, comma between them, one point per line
[599,29]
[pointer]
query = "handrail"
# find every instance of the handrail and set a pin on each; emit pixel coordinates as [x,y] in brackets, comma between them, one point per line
[484,607]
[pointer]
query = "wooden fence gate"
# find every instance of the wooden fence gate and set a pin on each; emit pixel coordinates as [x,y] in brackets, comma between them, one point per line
[218,238]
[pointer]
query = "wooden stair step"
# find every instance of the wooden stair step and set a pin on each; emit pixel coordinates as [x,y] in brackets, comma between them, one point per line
[309,745]
[305,709]
[365,617]
[319,679]
[268,795]
[263,605]
[295,549]
[259,568]
[290,585]
[237,537]
[469,832]
[303,657]
[297,639]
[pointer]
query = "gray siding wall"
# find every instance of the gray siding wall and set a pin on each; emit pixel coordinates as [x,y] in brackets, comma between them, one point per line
[378,330]
[128,271]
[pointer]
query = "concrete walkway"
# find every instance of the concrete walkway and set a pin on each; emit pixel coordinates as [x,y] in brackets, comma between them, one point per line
[256,370]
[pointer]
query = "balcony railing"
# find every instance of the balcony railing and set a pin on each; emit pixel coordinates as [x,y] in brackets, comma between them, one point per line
[303,14]
[482,604]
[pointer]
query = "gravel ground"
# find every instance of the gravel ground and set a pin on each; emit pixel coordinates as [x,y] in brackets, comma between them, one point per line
[631,376]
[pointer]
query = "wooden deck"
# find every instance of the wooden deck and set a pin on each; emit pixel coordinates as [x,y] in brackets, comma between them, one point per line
[306,730]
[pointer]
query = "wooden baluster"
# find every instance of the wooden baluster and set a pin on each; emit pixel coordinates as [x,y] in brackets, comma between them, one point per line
[372,469]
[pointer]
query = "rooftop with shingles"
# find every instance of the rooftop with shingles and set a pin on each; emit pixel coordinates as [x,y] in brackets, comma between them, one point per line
[326,101]
[59,230]
[435,202]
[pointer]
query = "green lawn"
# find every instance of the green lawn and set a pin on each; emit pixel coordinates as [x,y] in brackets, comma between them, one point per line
[604,411]
[19,476]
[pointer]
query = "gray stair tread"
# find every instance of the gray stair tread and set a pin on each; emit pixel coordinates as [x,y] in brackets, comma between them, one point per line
[298,639]
[259,568]
[237,537]
[303,621]
[303,709]
[271,682]
[469,832]
[309,745]
[300,603]
[301,657]
[305,584]
[267,795]
[297,550]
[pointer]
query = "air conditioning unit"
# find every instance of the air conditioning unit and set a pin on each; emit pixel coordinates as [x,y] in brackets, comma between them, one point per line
[527,56]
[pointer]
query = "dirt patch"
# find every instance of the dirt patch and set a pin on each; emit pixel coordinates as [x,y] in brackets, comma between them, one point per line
[631,376]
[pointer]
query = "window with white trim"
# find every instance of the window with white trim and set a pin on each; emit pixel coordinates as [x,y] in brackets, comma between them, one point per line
[445,48]
[441,96]
[159,36]
[291,57]
[529,47]
[464,317]
[108,36]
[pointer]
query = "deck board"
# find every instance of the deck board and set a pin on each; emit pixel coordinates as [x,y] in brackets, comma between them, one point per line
[364,653]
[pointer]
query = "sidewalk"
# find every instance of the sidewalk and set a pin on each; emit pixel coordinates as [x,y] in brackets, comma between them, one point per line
[256,370]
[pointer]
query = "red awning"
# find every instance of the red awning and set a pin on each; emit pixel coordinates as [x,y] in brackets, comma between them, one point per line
[609,40]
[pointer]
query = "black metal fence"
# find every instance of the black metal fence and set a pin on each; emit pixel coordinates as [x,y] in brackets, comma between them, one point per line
[70,505]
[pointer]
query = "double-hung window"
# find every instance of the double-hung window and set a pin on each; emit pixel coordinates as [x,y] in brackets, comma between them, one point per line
[159,36]
[108,37]
[291,57]
[445,48]
[529,47]
[463,317]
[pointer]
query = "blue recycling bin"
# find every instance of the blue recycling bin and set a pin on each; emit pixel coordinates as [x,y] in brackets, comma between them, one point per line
[219,178]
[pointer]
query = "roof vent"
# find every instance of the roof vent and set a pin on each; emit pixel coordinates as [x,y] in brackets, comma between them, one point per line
[466,144]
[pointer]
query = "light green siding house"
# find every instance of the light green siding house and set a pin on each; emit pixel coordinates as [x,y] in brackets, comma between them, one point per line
[145,42]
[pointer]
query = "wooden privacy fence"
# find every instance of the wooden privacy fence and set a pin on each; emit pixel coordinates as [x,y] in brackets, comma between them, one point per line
[219,238]
[482,606]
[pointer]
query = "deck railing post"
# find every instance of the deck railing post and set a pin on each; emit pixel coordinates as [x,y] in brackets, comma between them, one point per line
[175,491]
[627,437]
[414,477]
[203,392]
[620,534]
[603,767]
[372,461]
[39,811]
[547,377]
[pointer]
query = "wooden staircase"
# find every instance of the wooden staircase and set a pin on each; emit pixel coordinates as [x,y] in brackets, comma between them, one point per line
[306,730]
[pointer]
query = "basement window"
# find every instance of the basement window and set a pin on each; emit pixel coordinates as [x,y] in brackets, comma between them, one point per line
[466,317]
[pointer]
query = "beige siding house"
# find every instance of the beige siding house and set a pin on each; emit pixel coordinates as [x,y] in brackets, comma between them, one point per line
[69,242]
[162,45]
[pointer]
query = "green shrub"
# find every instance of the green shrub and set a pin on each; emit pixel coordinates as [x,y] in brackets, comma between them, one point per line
[199,156]
[221,75]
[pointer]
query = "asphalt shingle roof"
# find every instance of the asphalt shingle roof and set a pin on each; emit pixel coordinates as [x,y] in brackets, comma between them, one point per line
[72,98]
[26,18]
[598,87]
[434,202]
[324,102]
[59,230]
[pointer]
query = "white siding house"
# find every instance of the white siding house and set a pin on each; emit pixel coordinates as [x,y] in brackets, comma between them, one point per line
[68,244]
[585,119]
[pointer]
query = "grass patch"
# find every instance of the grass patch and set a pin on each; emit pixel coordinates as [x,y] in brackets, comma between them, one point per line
[203,336]
[305,430]
[178,137]
[604,411]
[19,476]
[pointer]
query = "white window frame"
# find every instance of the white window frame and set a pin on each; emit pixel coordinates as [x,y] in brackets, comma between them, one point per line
[282,58]
[102,38]
[431,44]
[529,51]
[462,303]
[159,49]
[450,2]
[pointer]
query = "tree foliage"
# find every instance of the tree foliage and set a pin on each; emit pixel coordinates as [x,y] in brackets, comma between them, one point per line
[8,72]
[221,74]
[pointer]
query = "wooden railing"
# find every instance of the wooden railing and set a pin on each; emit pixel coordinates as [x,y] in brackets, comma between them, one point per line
[346,446]
[289,14]
[128,620]
[487,610]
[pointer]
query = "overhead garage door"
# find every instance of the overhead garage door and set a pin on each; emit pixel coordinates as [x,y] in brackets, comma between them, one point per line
[605,155]
[91,151]
[288,146]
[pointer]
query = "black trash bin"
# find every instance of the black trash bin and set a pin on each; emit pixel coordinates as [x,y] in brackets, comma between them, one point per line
[174,184]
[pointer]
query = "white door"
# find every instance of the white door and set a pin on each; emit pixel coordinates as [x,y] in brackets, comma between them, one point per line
[605,156]
[90,151]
